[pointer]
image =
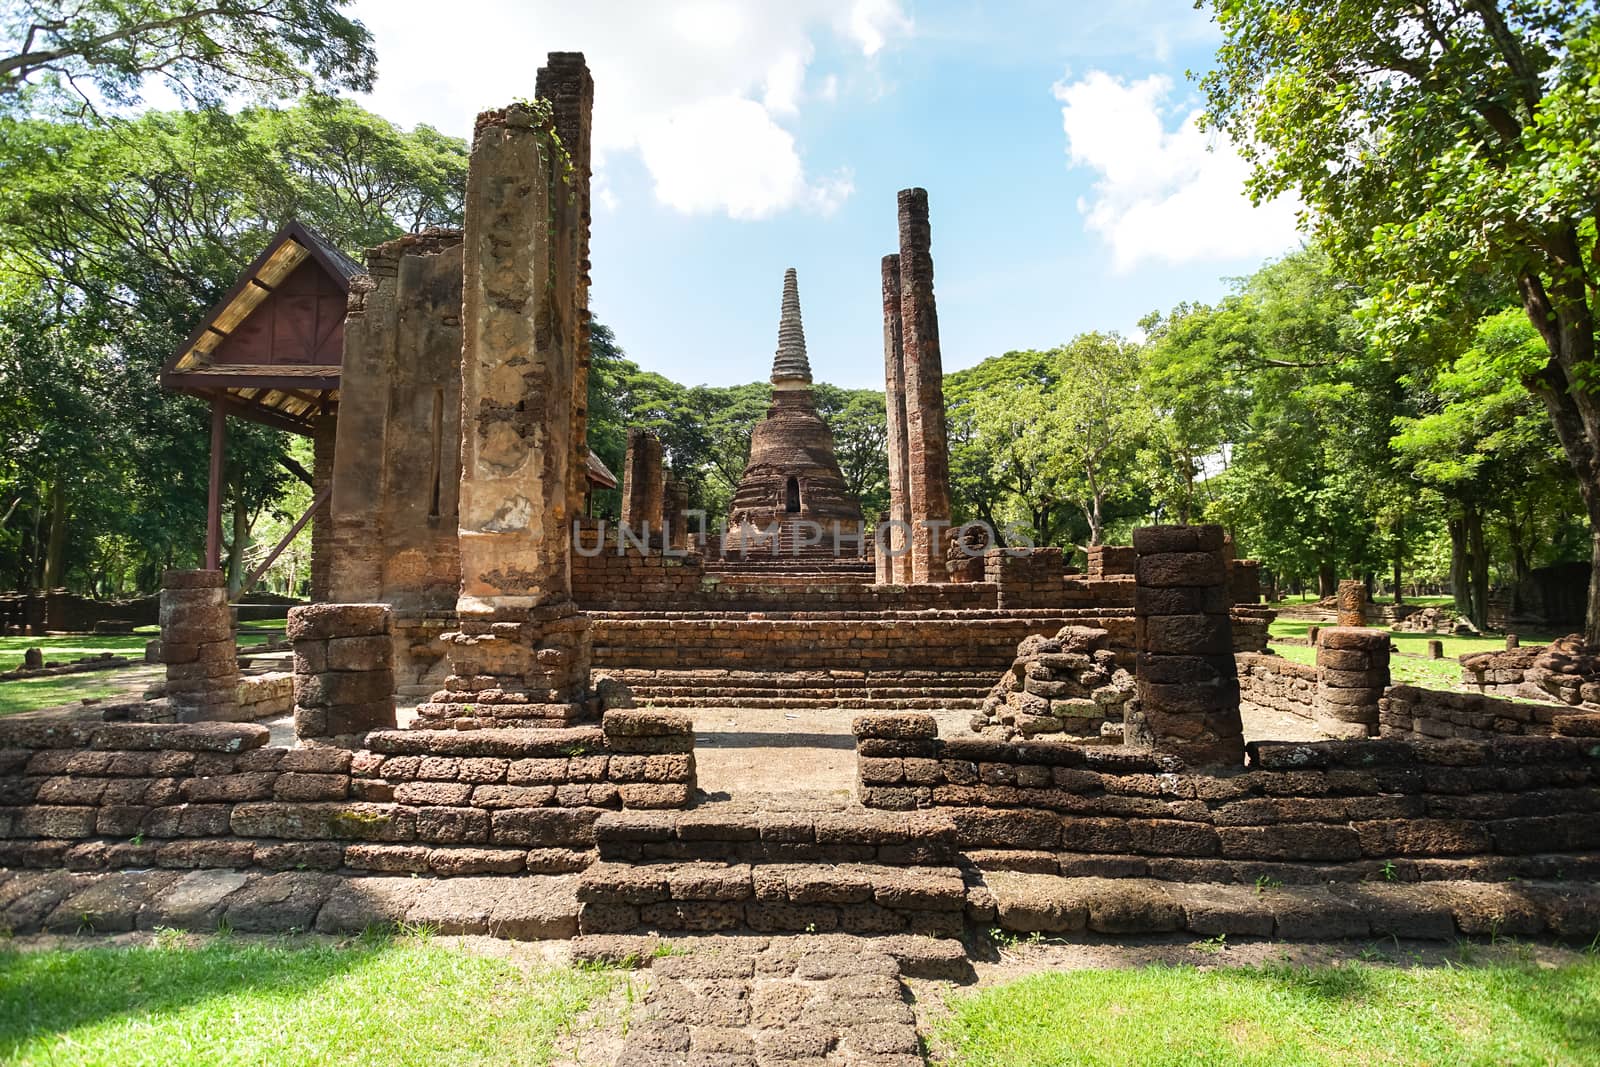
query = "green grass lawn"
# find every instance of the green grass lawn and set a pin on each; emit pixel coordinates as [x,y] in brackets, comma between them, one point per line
[1351,1014]
[1442,673]
[31,694]
[66,647]
[405,1001]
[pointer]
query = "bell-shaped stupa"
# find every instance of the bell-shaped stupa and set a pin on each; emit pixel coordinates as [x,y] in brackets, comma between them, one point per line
[792,474]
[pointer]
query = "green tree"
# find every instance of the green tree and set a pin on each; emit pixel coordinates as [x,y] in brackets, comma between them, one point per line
[114,239]
[860,442]
[205,50]
[1278,393]
[1483,444]
[1446,150]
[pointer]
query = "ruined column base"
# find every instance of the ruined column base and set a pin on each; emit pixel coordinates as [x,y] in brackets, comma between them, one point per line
[515,665]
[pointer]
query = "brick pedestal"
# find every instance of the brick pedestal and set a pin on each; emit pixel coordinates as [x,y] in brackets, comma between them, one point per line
[1352,603]
[1352,674]
[197,645]
[343,672]
[1187,685]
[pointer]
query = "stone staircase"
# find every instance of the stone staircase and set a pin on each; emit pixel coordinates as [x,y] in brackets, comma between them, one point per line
[856,690]
[787,547]
[709,870]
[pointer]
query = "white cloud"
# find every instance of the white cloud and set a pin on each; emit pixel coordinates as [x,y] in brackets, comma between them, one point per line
[705,92]
[726,153]
[1166,195]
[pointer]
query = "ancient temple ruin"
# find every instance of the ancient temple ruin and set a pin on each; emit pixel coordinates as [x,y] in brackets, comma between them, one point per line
[456,483]
[793,475]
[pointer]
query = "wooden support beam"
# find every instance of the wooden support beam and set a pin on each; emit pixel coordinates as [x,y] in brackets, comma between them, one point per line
[272,557]
[219,447]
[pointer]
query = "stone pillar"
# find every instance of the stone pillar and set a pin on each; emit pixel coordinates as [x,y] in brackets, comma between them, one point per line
[1244,581]
[882,561]
[1352,674]
[521,655]
[675,514]
[1187,684]
[1352,603]
[343,672]
[927,448]
[197,645]
[566,83]
[642,484]
[323,435]
[894,566]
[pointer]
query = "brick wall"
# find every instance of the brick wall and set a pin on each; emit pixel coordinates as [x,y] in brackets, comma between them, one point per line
[861,642]
[1411,711]
[1272,683]
[92,795]
[1301,812]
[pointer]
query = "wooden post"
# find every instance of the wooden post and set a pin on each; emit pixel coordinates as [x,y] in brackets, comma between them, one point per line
[219,446]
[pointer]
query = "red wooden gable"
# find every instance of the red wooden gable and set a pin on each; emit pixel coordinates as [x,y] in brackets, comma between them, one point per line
[301,322]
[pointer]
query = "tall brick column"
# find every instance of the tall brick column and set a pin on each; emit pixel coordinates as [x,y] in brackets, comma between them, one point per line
[642,483]
[343,672]
[927,448]
[323,435]
[1187,684]
[522,652]
[894,567]
[1352,675]
[566,83]
[675,514]
[1352,603]
[197,645]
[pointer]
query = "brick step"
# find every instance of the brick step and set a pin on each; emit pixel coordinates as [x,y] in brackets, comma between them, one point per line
[520,908]
[793,703]
[808,581]
[954,690]
[955,617]
[617,898]
[1050,904]
[803,679]
[727,832]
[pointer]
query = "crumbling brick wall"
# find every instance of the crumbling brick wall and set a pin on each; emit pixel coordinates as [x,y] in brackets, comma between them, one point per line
[93,795]
[1274,684]
[1411,711]
[1297,812]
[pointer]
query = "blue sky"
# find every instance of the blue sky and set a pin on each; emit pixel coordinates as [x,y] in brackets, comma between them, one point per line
[1068,188]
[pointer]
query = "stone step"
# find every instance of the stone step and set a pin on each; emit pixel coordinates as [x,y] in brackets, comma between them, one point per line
[852,703]
[705,896]
[810,1000]
[726,833]
[521,907]
[1052,904]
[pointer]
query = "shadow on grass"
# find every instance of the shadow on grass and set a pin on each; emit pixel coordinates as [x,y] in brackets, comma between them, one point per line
[58,992]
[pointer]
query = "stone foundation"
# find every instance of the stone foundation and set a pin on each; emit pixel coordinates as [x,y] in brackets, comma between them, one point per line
[91,796]
[1322,811]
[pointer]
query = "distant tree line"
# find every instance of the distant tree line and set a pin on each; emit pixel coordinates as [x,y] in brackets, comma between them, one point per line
[1410,398]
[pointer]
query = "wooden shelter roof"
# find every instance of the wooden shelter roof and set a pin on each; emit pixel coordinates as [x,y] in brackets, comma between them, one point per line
[271,348]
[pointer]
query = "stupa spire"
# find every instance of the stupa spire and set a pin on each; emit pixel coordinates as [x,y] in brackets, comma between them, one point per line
[790,363]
